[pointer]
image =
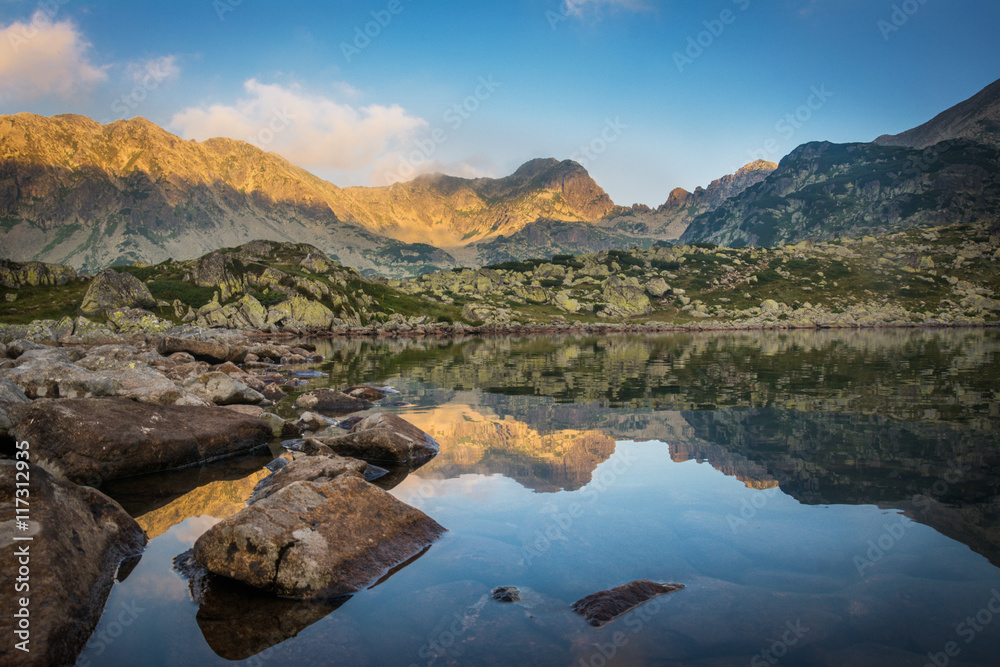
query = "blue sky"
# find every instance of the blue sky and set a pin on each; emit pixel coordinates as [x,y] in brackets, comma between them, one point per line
[648,94]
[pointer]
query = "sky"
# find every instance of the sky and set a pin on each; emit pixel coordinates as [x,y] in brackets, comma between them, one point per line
[648,95]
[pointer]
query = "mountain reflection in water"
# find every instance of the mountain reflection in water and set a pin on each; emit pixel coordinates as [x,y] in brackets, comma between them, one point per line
[834,437]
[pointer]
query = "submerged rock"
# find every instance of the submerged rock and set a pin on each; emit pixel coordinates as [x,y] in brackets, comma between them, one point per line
[311,540]
[93,440]
[506,594]
[79,538]
[384,437]
[605,606]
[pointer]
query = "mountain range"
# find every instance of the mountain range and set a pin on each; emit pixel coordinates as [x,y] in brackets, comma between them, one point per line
[73,191]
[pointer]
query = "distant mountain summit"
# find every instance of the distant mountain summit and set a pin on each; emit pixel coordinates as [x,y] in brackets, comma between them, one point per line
[976,119]
[73,191]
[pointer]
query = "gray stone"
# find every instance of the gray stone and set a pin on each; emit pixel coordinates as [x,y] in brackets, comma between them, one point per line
[111,291]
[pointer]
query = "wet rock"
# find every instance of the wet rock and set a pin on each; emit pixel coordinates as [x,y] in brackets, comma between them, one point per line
[328,400]
[273,392]
[313,422]
[111,291]
[312,540]
[203,350]
[312,469]
[370,394]
[79,538]
[238,621]
[222,389]
[384,437]
[506,594]
[605,606]
[93,440]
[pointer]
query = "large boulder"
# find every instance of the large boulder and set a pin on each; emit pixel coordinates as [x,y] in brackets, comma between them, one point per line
[623,298]
[300,312]
[112,291]
[79,537]
[211,351]
[222,389]
[47,377]
[384,438]
[10,395]
[329,400]
[311,540]
[93,440]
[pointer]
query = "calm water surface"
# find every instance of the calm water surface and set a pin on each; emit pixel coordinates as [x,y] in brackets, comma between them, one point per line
[827,498]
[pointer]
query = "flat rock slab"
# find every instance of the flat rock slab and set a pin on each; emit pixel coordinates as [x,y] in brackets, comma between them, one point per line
[384,438]
[605,606]
[79,537]
[94,440]
[328,400]
[312,540]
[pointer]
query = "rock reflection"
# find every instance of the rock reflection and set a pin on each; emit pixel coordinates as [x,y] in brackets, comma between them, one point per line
[474,442]
[237,621]
[159,502]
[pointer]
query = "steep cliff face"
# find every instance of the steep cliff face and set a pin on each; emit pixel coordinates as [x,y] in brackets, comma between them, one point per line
[976,119]
[825,191]
[75,192]
[670,220]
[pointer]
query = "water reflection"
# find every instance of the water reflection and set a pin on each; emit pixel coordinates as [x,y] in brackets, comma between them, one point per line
[755,468]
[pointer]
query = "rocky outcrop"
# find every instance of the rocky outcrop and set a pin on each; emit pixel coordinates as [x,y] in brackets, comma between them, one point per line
[624,297]
[32,274]
[301,313]
[605,606]
[79,537]
[311,540]
[112,291]
[384,438]
[92,440]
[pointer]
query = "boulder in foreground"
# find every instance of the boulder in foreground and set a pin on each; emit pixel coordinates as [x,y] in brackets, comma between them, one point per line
[311,540]
[384,438]
[605,606]
[93,440]
[79,537]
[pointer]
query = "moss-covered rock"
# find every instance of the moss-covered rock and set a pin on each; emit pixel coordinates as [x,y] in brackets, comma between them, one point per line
[111,291]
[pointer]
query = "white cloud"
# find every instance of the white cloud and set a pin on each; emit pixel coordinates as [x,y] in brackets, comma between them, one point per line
[158,70]
[312,131]
[581,7]
[41,58]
